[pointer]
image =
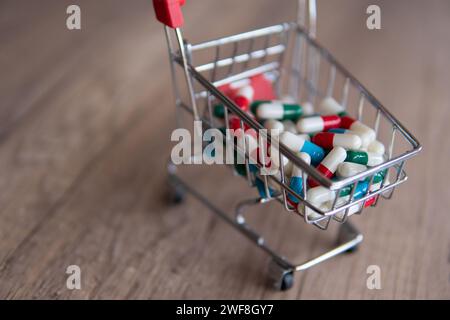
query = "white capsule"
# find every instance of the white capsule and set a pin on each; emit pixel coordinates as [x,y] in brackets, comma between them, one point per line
[275,127]
[374,159]
[304,136]
[290,126]
[288,99]
[349,169]
[376,147]
[319,195]
[366,133]
[308,109]
[272,110]
[310,124]
[340,202]
[329,106]
[297,171]
[348,141]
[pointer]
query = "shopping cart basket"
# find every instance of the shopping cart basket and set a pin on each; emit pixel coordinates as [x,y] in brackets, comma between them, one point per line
[300,67]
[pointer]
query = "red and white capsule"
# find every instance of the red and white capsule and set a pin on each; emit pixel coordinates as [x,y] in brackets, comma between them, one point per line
[329,164]
[328,140]
[319,123]
[366,133]
[244,97]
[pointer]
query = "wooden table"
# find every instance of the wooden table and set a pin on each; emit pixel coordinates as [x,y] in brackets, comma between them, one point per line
[85,121]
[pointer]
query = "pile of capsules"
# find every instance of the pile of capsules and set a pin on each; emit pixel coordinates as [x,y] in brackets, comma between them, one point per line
[337,145]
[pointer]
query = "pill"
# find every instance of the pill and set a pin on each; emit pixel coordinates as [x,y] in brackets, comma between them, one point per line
[378,177]
[349,169]
[288,99]
[351,210]
[330,106]
[260,186]
[278,111]
[235,123]
[305,136]
[319,195]
[318,123]
[366,158]
[367,134]
[299,144]
[296,181]
[275,127]
[275,159]
[328,140]
[248,142]
[307,108]
[360,191]
[329,164]
[290,126]
[376,147]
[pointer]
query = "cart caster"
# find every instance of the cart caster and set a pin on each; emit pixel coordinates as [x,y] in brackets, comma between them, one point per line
[287,281]
[281,279]
[176,195]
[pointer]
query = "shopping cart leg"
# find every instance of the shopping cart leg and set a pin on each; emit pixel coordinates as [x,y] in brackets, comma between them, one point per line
[176,192]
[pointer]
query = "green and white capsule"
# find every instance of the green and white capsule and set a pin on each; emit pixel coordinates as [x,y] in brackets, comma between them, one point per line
[365,158]
[278,111]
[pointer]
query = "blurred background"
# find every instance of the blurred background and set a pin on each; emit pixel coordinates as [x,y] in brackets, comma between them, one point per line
[85,123]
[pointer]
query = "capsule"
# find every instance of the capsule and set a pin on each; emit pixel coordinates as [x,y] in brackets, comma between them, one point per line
[319,195]
[244,97]
[329,165]
[329,106]
[366,158]
[296,182]
[308,108]
[360,191]
[328,140]
[367,134]
[262,189]
[349,169]
[278,111]
[299,144]
[235,123]
[317,124]
[275,127]
[290,126]
[376,147]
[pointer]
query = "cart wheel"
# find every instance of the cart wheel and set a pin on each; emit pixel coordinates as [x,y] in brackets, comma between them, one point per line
[176,194]
[281,279]
[287,281]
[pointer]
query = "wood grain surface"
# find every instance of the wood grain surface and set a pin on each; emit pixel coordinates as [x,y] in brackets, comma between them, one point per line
[85,121]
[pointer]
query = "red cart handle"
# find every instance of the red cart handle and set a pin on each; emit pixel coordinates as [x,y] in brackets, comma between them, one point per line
[169,12]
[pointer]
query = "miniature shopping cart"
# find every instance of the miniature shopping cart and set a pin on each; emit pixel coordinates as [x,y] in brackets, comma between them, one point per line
[299,67]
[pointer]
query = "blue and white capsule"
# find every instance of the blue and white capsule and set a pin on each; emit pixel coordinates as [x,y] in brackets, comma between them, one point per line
[296,181]
[299,144]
